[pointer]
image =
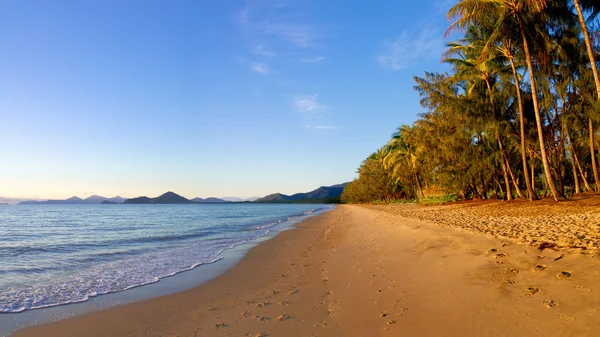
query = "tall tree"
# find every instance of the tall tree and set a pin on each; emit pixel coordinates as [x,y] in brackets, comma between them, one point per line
[496,13]
[588,45]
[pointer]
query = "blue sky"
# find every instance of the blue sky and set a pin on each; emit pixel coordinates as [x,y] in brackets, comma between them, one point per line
[204,98]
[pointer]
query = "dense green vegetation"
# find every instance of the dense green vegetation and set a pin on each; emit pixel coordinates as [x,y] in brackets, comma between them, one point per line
[516,117]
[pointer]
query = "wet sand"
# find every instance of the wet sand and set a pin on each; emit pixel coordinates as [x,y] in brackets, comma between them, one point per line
[359,271]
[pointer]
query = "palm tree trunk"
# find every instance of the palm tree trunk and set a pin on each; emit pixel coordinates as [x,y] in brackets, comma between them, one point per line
[532,163]
[588,45]
[538,119]
[573,155]
[593,155]
[419,189]
[504,170]
[515,181]
[530,193]
[585,182]
[590,52]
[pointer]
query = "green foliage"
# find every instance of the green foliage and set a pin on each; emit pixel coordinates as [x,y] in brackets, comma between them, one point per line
[487,130]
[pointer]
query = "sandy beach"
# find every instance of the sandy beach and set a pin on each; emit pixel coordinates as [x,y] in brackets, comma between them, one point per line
[387,271]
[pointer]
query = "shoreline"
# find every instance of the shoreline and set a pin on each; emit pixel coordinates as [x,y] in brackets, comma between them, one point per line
[179,282]
[355,271]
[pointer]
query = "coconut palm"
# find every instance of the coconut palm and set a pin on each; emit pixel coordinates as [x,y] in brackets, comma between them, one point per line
[595,7]
[496,14]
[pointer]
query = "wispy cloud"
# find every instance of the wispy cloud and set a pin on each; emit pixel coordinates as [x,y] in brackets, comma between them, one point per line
[409,48]
[260,67]
[321,127]
[315,59]
[300,35]
[276,20]
[308,103]
[262,51]
[278,29]
[315,114]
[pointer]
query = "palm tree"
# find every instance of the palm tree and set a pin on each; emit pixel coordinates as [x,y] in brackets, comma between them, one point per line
[469,65]
[496,14]
[507,49]
[588,44]
[402,155]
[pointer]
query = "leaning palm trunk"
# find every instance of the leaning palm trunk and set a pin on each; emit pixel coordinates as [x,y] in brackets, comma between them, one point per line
[515,181]
[581,173]
[530,193]
[538,119]
[593,155]
[588,45]
[573,161]
[504,170]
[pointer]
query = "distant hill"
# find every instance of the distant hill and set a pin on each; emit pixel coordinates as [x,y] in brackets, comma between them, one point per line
[117,200]
[209,200]
[107,202]
[94,199]
[167,198]
[236,199]
[323,194]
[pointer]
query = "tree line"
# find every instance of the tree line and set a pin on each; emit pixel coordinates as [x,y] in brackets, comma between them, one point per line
[515,117]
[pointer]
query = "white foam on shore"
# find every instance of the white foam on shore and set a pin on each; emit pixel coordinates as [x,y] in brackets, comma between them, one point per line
[128,273]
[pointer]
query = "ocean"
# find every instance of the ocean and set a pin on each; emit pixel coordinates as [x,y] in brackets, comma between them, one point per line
[52,255]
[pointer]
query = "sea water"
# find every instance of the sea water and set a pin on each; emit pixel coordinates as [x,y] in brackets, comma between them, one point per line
[53,255]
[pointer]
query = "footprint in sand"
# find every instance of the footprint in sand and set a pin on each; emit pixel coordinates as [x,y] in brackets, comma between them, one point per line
[220,325]
[539,267]
[383,314]
[292,292]
[391,322]
[566,318]
[591,311]
[582,289]
[262,304]
[550,304]
[564,275]
[512,270]
[532,291]
[321,325]
[509,281]
[284,303]
[262,334]
[262,318]
[246,313]
[500,255]
[213,309]
[283,317]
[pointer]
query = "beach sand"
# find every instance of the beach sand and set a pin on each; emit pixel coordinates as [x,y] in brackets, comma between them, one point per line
[367,271]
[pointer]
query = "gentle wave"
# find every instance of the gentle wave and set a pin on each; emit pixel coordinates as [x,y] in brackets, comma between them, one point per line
[94,270]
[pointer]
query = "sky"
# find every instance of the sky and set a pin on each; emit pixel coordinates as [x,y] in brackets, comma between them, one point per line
[205,98]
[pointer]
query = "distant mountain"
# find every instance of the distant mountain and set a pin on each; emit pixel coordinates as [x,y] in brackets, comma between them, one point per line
[323,194]
[117,200]
[236,199]
[94,199]
[209,200]
[107,202]
[167,198]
